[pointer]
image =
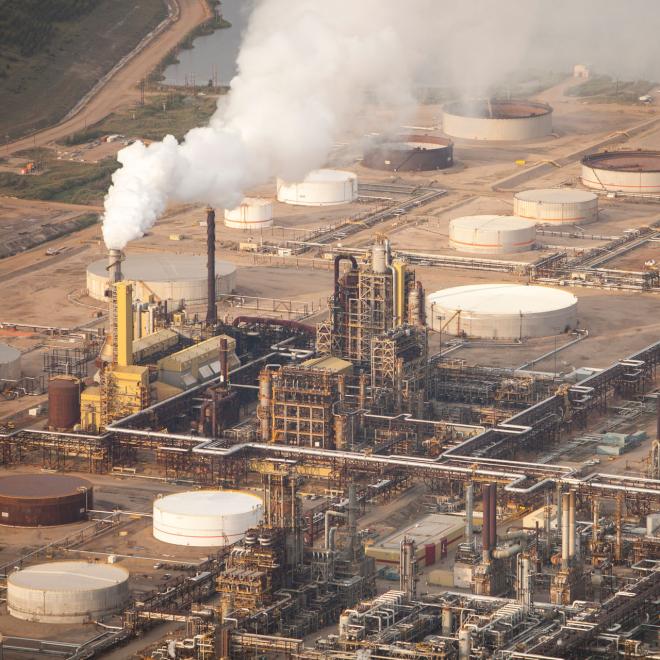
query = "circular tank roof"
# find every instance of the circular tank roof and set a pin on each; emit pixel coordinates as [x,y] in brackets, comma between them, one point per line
[503,299]
[8,354]
[162,267]
[408,142]
[492,222]
[497,109]
[556,196]
[325,176]
[624,161]
[38,486]
[69,576]
[208,502]
[253,201]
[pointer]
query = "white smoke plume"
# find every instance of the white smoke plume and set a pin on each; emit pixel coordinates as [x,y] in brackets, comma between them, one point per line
[305,70]
[308,69]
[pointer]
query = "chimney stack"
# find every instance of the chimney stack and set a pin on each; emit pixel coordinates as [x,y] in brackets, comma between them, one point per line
[492,531]
[485,522]
[114,266]
[211,312]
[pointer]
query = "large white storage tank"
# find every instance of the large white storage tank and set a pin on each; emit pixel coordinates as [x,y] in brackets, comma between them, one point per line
[557,206]
[251,213]
[67,592]
[10,363]
[320,188]
[211,518]
[175,278]
[496,119]
[501,311]
[633,172]
[491,234]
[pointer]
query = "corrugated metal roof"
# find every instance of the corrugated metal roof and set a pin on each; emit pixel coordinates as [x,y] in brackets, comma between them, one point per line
[154,339]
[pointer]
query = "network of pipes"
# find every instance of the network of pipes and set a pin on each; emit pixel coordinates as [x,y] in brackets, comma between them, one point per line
[366,366]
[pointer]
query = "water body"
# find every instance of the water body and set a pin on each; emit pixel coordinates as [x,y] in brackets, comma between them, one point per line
[212,57]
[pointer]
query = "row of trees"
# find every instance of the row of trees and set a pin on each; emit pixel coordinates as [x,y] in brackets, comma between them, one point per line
[28,25]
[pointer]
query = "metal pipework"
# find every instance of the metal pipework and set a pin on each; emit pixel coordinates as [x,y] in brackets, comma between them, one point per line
[571,524]
[211,311]
[565,543]
[224,361]
[327,536]
[469,512]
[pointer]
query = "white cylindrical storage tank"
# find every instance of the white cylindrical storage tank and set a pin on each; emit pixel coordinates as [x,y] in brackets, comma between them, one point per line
[175,278]
[10,363]
[491,234]
[501,311]
[320,188]
[557,206]
[67,592]
[252,213]
[205,517]
[494,119]
[636,172]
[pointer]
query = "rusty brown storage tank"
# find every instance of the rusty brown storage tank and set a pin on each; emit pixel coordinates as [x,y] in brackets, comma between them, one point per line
[63,402]
[32,500]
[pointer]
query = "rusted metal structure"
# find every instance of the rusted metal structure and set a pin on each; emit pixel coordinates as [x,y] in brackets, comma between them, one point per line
[33,500]
[63,402]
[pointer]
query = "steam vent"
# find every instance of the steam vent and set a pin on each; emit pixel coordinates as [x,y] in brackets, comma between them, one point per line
[410,153]
[497,120]
[33,500]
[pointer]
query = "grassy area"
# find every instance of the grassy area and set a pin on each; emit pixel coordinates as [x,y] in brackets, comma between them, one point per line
[53,51]
[173,114]
[603,89]
[61,181]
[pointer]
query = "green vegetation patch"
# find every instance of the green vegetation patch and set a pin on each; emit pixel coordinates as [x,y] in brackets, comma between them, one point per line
[171,114]
[62,181]
[53,51]
[604,89]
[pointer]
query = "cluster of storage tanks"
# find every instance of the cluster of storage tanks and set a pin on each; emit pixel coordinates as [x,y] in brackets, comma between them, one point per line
[505,234]
[80,592]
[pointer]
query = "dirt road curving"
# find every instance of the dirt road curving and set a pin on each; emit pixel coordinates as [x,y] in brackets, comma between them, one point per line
[121,89]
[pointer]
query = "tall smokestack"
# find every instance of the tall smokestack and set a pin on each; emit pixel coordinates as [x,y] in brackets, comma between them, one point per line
[211,312]
[565,543]
[485,521]
[114,266]
[469,507]
[571,524]
[492,530]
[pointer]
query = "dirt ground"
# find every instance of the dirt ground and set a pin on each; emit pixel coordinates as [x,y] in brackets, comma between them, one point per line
[121,90]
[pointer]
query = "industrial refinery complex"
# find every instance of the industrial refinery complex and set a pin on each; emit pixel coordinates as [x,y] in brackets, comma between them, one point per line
[405,405]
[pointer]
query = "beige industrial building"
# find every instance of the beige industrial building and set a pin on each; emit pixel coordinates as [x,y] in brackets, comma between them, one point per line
[433,535]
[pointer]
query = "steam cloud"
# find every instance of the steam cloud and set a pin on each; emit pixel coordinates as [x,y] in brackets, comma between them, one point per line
[306,67]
